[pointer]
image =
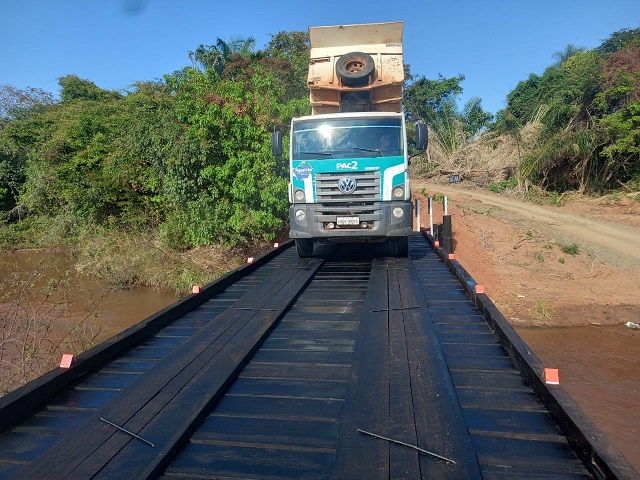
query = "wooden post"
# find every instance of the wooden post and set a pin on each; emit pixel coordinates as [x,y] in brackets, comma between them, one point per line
[447,242]
[430,206]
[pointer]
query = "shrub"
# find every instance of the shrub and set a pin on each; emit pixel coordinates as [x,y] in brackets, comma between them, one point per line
[571,249]
[503,185]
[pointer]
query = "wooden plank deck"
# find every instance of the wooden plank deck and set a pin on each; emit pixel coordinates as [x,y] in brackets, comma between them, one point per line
[276,386]
[166,402]
[281,417]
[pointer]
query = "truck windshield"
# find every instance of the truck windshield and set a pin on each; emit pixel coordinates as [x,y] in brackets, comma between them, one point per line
[347,138]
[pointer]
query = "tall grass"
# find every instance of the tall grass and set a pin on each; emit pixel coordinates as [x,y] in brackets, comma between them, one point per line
[37,323]
[130,259]
[487,159]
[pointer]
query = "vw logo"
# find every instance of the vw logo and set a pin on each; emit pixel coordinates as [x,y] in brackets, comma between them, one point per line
[347,185]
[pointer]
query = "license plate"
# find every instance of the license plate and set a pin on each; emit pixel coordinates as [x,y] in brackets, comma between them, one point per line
[348,220]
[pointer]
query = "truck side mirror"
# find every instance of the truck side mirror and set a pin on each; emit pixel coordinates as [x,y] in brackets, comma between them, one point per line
[422,135]
[276,143]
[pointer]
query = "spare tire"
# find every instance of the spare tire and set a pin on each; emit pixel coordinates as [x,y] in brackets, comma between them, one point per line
[354,69]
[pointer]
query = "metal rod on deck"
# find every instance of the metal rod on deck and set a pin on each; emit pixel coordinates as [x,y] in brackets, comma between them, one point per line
[398,442]
[128,432]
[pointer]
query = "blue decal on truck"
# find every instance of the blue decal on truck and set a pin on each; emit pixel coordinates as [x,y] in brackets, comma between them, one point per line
[303,170]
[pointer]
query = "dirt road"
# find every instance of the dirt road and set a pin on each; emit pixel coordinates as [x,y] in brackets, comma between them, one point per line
[596,232]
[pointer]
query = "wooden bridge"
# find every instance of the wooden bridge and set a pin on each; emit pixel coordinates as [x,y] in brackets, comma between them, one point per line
[347,366]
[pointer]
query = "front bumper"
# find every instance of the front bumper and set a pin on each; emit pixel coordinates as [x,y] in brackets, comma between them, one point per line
[377,215]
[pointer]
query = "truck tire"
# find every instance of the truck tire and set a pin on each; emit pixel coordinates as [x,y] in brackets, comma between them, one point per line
[355,68]
[304,247]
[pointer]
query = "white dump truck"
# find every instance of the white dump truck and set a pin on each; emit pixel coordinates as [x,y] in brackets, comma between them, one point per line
[348,160]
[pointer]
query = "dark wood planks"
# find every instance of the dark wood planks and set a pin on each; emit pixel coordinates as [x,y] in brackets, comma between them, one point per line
[403,462]
[434,376]
[367,401]
[170,398]
[400,389]
[440,425]
[597,454]
[288,400]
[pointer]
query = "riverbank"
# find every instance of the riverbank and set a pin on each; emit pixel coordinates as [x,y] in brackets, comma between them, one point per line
[67,300]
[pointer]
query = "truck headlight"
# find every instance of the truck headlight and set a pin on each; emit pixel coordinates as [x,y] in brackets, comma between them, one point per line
[398,192]
[300,215]
[299,195]
[397,212]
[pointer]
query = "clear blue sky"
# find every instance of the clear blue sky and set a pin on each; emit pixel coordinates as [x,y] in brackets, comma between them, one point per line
[114,43]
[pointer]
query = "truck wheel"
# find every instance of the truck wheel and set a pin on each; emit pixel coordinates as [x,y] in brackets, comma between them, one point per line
[355,68]
[304,246]
[399,246]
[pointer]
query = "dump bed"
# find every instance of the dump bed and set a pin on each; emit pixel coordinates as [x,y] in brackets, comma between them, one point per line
[356,68]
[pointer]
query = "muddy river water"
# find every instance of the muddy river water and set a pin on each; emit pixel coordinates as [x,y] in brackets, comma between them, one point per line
[27,278]
[599,366]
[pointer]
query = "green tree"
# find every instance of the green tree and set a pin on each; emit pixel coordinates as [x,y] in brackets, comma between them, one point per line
[17,103]
[289,52]
[474,118]
[66,170]
[75,88]
[216,57]
[586,106]
[435,101]
[425,99]
[188,157]
[229,192]
[20,130]
[618,40]
[569,51]
[619,105]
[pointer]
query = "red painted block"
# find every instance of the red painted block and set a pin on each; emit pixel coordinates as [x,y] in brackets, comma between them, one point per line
[479,288]
[67,360]
[195,289]
[552,376]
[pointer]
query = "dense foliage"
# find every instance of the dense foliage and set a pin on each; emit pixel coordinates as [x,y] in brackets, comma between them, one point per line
[588,109]
[435,101]
[189,155]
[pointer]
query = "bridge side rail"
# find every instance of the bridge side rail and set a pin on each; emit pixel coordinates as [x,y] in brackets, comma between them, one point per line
[598,455]
[18,403]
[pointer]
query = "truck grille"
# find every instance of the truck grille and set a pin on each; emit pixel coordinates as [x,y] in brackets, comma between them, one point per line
[368,187]
[362,202]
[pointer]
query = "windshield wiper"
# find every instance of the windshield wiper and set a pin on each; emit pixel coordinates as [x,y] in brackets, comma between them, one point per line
[372,150]
[316,153]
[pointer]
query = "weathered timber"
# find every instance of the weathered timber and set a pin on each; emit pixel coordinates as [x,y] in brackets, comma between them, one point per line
[166,402]
[18,403]
[599,455]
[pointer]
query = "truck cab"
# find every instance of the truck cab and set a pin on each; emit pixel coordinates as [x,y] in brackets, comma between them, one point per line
[349,180]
